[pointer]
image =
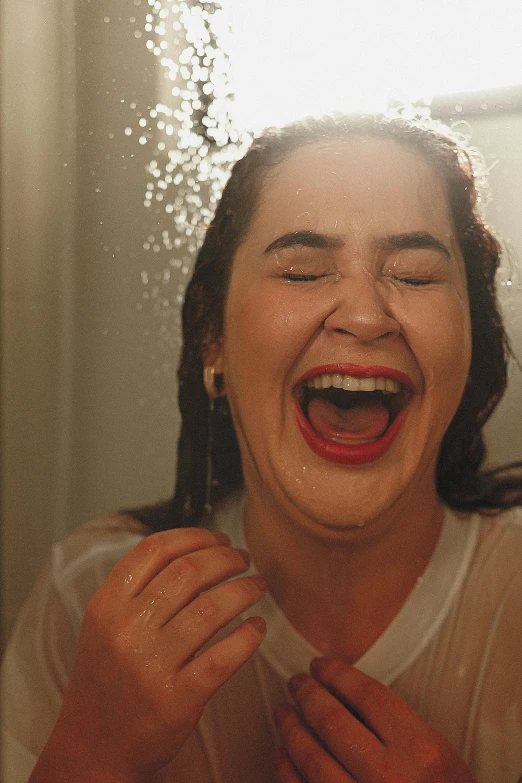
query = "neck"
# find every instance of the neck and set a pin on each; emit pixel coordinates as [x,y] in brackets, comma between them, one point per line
[341,595]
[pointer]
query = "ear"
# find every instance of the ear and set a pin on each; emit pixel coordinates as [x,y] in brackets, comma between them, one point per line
[213,369]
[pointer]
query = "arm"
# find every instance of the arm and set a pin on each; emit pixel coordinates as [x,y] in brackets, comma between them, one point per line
[138,685]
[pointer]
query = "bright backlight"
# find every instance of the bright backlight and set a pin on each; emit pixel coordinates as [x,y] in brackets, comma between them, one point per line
[291,58]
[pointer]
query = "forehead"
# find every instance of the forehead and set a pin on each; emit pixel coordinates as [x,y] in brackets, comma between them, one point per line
[353,186]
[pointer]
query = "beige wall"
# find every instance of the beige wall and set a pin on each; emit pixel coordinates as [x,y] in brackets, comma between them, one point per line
[500,142]
[88,367]
[89,350]
[124,429]
[37,114]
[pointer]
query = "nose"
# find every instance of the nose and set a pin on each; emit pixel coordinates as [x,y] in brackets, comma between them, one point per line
[360,308]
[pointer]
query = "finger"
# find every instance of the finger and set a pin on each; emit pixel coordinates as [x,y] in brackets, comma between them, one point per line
[385,713]
[186,577]
[198,622]
[356,748]
[203,676]
[307,755]
[399,726]
[285,770]
[139,566]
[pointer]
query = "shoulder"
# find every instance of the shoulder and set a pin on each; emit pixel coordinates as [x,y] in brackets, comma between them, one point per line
[39,657]
[494,602]
[499,544]
[81,562]
[227,517]
[493,586]
[102,537]
[473,669]
[487,606]
[47,628]
[511,519]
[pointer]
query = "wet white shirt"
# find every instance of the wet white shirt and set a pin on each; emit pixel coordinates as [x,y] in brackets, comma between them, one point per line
[454,652]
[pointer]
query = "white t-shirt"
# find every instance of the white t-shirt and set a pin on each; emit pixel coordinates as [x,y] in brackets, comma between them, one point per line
[454,652]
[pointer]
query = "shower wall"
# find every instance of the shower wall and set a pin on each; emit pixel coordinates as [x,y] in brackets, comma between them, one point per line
[90,319]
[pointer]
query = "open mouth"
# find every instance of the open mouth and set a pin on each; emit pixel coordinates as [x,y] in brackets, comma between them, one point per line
[351,418]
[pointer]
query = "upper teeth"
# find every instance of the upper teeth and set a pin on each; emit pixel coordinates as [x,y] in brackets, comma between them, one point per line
[351,383]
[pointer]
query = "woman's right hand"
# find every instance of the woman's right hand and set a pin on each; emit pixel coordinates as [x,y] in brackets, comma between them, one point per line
[137,690]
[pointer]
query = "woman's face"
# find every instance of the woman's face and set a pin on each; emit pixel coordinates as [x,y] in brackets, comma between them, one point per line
[349,276]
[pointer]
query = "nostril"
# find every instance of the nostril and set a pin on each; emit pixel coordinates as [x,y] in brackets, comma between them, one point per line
[365,331]
[363,319]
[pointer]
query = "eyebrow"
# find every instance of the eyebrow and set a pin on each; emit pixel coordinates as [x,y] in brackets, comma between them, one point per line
[306,239]
[415,240]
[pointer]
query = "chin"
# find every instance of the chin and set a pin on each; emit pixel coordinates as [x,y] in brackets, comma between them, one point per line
[339,499]
[339,510]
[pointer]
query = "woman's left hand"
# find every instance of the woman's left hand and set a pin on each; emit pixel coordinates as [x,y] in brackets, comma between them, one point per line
[348,727]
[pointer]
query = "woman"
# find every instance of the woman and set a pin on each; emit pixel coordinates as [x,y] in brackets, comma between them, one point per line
[342,352]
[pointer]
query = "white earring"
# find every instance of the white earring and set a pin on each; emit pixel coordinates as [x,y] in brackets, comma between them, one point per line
[209,374]
[214,389]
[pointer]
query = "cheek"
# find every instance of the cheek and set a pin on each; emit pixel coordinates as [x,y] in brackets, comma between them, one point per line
[439,334]
[265,327]
[248,346]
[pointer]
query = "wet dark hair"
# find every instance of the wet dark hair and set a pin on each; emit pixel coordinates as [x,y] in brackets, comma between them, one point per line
[461,483]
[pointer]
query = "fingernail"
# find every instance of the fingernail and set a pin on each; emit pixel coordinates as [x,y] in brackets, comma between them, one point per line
[221,538]
[260,582]
[283,711]
[258,623]
[244,554]
[296,682]
[278,756]
[318,665]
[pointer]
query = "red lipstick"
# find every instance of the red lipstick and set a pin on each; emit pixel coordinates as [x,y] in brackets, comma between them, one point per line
[358,371]
[351,453]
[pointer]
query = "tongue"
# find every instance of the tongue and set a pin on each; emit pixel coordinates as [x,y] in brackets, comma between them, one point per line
[365,421]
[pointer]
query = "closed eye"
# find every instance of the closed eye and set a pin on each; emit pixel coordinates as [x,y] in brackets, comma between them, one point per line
[415,281]
[295,278]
